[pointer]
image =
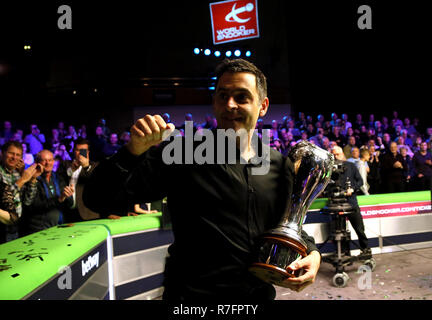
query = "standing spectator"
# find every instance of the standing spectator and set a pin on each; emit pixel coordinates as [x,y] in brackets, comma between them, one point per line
[52,198]
[364,169]
[358,123]
[355,156]
[379,130]
[396,121]
[374,176]
[21,183]
[54,140]
[112,146]
[105,130]
[386,141]
[76,172]
[61,130]
[409,173]
[385,124]
[401,144]
[125,138]
[348,147]
[8,215]
[422,163]
[7,132]
[393,170]
[35,140]
[417,144]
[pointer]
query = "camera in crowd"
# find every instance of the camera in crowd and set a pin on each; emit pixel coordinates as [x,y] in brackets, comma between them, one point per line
[337,192]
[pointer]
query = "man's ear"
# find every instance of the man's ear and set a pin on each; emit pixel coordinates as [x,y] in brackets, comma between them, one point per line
[264,107]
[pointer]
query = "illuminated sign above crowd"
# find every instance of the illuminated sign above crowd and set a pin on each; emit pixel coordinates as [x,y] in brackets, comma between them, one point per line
[234,20]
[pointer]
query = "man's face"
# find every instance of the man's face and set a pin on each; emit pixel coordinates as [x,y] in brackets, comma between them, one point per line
[47,160]
[11,157]
[236,103]
[423,146]
[338,154]
[355,153]
[393,147]
[77,149]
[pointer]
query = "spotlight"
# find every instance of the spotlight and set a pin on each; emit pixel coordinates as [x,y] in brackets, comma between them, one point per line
[228,53]
[217,53]
[211,88]
[207,52]
[248,53]
[196,50]
[237,53]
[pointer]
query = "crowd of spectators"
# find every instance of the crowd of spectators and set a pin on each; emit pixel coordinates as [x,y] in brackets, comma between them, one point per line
[392,155]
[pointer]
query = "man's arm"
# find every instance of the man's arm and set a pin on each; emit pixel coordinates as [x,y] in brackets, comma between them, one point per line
[130,175]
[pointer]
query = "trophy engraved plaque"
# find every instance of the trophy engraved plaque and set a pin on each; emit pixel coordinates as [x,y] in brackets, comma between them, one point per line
[279,247]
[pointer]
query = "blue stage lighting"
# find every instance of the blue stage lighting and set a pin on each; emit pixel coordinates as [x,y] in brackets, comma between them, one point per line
[248,53]
[207,52]
[228,53]
[196,50]
[237,53]
[217,53]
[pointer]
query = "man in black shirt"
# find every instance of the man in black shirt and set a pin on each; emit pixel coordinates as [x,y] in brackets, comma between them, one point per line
[352,175]
[218,209]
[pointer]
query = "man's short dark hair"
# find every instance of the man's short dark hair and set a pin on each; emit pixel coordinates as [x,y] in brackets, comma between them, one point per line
[81,140]
[14,143]
[241,65]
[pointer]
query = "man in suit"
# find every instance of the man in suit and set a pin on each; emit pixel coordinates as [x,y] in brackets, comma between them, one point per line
[77,172]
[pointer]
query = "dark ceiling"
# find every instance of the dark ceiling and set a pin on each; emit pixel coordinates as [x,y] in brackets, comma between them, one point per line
[314,55]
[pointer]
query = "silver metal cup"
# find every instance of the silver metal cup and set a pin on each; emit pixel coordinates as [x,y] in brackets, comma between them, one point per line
[279,247]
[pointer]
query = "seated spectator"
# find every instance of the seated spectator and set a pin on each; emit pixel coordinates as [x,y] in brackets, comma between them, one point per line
[293,130]
[53,196]
[407,139]
[355,155]
[393,169]
[82,131]
[20,183]
[70,138]
[27,157]
[358,123]
[326,144]
[385,145]
[61,130]
[374,175]
[417,144]
[385,124]
[379,130]
[422,163]
[112,146]
[371,123]
[275,129]
[396,120]
[98,143]
[35,140]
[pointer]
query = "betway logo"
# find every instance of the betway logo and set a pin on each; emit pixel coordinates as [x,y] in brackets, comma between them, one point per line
[92,261]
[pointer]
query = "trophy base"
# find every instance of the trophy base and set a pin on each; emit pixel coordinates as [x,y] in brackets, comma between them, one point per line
[274,257]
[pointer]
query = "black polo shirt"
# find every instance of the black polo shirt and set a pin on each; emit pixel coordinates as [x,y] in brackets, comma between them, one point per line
[217,213]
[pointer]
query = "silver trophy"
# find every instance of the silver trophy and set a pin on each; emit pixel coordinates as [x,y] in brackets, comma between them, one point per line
[279,247]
